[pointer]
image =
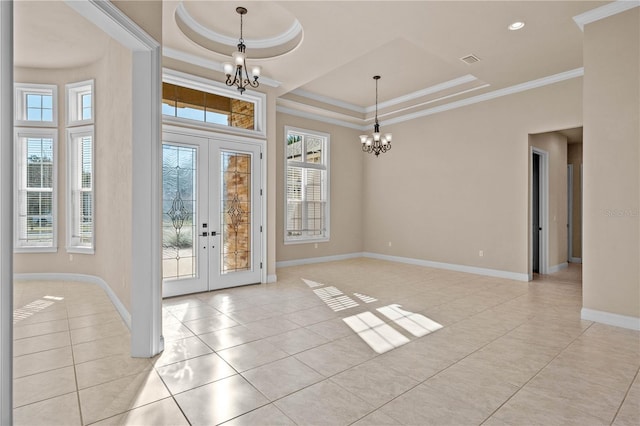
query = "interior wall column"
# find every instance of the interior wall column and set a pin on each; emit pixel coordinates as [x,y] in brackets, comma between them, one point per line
[6,212]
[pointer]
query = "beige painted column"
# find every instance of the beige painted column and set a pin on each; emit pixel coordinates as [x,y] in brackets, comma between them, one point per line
[611,266]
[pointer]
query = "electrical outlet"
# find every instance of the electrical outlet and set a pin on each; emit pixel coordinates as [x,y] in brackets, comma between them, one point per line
[481,253]
[389,243]
[70,258]
[315,245]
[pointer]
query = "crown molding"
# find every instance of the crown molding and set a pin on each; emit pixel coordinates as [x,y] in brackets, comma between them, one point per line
[311,109]
[208,63]
[329,101]
[323,115]
[441,98]
[317,117]
[603,12]
[266,43]
[544,81]
[395,101]
[424,92]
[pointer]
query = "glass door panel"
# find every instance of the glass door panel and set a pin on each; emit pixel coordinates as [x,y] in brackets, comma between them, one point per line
[179,201]
[238,208]
[236,211]
[183,270]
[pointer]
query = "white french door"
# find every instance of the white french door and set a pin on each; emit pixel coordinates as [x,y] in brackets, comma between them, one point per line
[212,215]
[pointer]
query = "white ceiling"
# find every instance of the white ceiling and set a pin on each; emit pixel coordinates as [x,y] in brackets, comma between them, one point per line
[413,45]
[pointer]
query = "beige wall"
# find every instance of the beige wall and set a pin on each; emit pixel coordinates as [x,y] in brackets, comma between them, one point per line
[112,258]
[574,157]
[346,189]
[457,182]
[611,252]
[556,146]
[114,171]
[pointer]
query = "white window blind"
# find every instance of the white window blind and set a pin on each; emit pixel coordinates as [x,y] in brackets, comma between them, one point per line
[36,171]
[306,186]
[80,184]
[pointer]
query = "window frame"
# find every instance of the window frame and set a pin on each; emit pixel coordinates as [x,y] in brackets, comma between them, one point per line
[325,166]
[74,93]
[205,85]
[21,91]
[73,134]
[20,176]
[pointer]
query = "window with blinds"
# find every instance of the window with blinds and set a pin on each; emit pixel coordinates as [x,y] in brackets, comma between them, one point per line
[35,152]
[306,186]
[80,197]
[80,162]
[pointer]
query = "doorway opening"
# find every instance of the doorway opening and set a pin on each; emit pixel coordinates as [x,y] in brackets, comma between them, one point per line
[539,212]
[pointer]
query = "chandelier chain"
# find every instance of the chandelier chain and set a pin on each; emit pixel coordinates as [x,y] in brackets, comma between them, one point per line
[376,101]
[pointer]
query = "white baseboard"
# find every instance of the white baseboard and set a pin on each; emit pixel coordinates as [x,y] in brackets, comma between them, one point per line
[309,260]
[576,260]
[452,267]
[439,265]
[609,318]
[558,268]
[89,279]
[272,278]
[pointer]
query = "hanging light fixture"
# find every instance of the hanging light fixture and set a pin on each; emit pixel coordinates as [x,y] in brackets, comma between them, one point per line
[376,143]
[241,77]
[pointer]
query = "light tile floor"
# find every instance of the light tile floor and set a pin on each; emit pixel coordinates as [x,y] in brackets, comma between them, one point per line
[509,353]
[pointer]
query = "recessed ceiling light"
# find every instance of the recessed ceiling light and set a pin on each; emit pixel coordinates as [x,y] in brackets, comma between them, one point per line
[516,26]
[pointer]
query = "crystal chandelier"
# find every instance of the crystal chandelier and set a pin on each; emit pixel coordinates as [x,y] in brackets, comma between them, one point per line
[241,77]
[376,143]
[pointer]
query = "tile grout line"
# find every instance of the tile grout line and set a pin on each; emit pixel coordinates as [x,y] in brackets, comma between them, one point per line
[75,372]
[625,396]
[538,372]
[457,361]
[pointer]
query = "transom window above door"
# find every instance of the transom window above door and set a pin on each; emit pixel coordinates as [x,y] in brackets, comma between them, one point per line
[196,102]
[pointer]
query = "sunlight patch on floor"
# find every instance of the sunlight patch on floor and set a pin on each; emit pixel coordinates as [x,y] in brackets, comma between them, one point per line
[381,337]
[34,307]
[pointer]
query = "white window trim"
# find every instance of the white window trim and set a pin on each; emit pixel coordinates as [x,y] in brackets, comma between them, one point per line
[258,99]
[305,240]
[20,109]
[71,135]
[38,133]
[74,92]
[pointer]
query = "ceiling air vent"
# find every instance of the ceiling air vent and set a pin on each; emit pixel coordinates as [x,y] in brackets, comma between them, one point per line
[470,59]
